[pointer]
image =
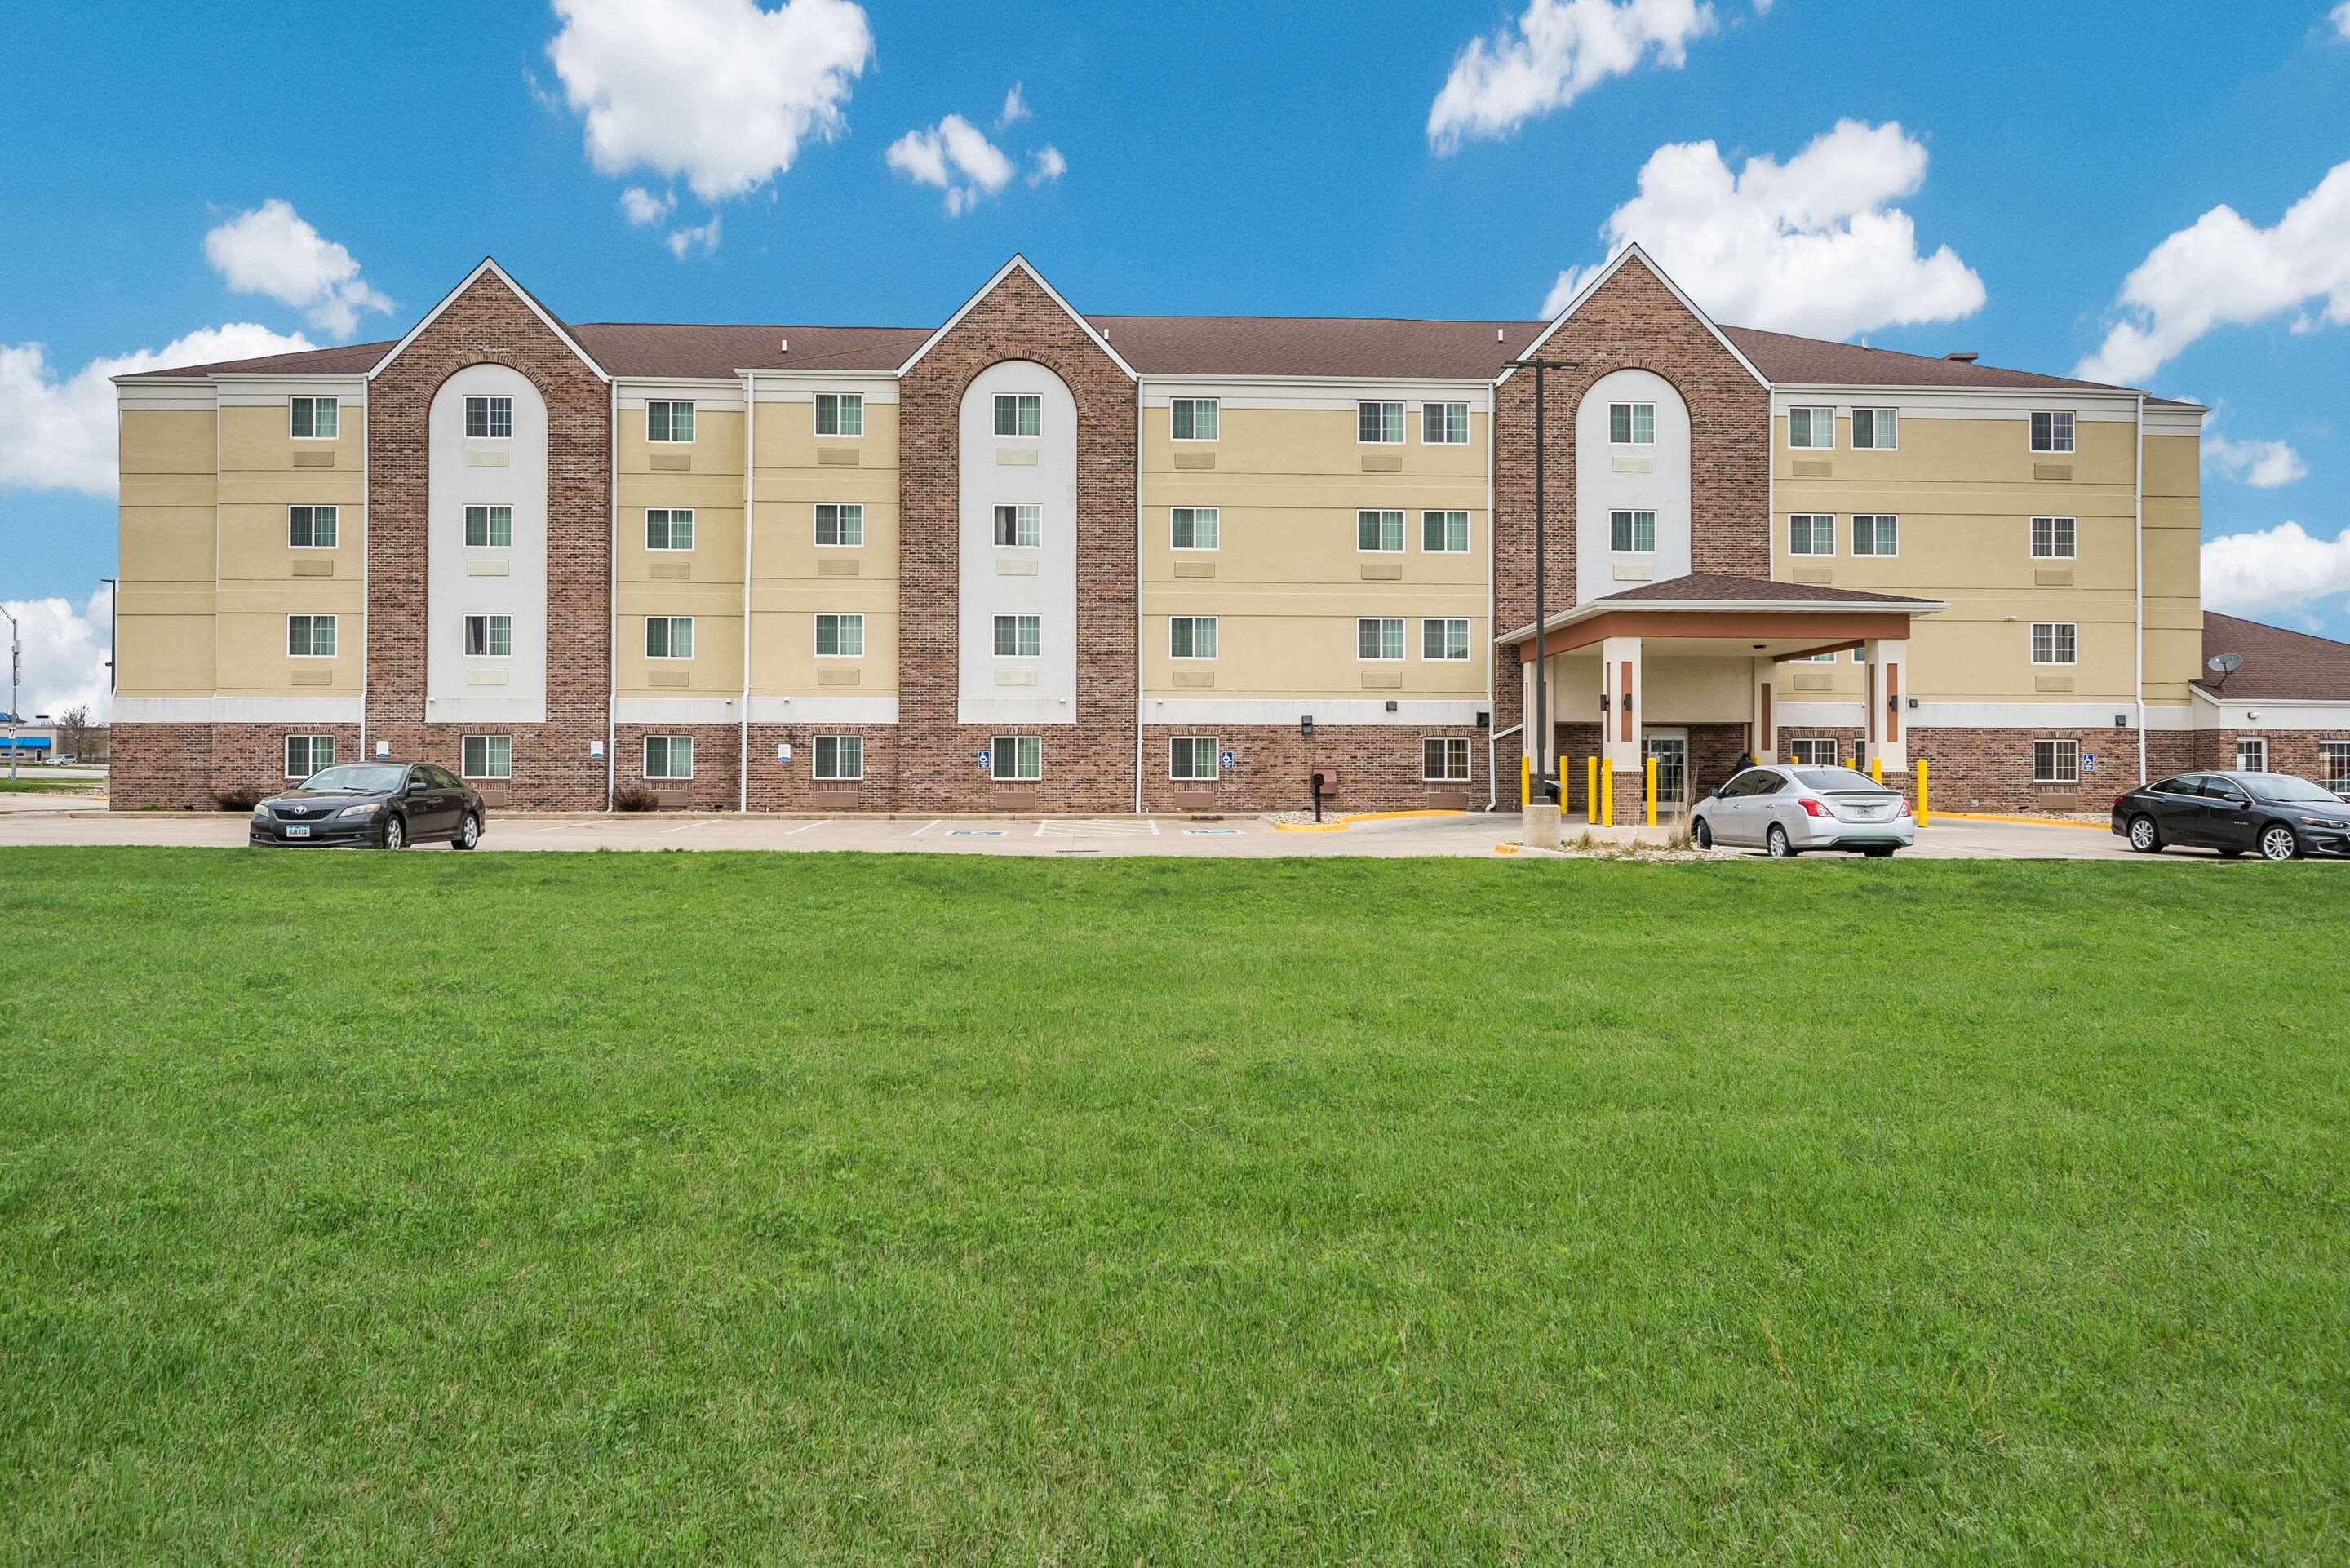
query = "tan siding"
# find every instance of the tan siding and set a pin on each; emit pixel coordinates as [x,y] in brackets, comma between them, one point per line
[787,588]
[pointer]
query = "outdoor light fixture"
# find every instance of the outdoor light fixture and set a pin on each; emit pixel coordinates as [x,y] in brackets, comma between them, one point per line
[2121,721]
[1603,702]
[1305,725]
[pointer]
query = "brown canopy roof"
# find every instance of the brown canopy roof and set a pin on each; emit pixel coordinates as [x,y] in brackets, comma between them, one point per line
[1724,585]
[2278,664]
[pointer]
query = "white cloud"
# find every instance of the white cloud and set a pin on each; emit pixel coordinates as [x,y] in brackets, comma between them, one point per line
[2341,18]
[64,655]
[2262,465]
[1015,108]
[721,93]
[2222,271]
[641,207]
[956,157]
[2274,570]
[272,251]
[57,432]
[682,242]
[1047,166]
[1551,55]
[1809,245]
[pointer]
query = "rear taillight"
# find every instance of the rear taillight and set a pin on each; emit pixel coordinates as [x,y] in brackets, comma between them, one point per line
[2117,802]
[1900,808]
[1815,808]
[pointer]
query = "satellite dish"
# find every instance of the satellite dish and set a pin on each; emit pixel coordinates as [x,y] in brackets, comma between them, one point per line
[2226,664]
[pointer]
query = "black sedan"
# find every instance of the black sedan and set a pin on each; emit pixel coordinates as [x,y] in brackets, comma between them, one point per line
[388,806]
[2275,815]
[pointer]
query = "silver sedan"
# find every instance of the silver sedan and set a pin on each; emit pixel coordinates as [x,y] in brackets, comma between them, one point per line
[1785,809]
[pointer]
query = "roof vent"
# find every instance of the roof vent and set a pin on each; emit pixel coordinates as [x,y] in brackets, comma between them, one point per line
[1968,357]
[783,345]
[1500,336]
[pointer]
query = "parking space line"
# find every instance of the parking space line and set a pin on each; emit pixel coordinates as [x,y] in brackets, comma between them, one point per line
[809,828]
[682,826]
[926,827]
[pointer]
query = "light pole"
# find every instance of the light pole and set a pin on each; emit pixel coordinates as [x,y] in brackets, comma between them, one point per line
[16,666]
[1543,779]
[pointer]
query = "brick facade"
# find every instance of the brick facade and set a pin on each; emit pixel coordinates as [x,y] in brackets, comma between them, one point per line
[1376,767]
[793,786]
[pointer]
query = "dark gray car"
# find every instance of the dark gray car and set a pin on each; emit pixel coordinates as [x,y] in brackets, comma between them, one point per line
[382,805]
[2276,815]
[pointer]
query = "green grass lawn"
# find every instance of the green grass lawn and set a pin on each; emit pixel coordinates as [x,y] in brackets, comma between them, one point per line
[33,783]
[814,1209]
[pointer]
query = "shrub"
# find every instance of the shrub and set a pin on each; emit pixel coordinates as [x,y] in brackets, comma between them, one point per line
[634,797]
[236,799]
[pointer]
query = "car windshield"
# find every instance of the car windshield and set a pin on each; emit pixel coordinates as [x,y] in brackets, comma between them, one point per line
[1835,779]
[356,777]
[2285,787]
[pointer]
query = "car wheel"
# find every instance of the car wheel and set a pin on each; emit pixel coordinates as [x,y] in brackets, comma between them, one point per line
[1704,835]
[2278,842]
[395,834]
[1880,851]
[469,832]
[1777,844]
[2144,837]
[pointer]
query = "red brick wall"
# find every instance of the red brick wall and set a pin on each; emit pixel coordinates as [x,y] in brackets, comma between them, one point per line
[712,787]
[1377,767]
[168,766]
[792,786]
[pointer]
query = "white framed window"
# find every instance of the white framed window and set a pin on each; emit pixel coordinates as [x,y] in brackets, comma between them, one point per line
[2056,762]
[1876,535]
[669,637]
[1875,430]
[1444,638]
[1445,533]
[839,636]
[1380,532]
[489,418]
[311,527]
[1019,527]
[489,637]
[669,422]
[2055,538]
[1019,414]
[1378,424]
[1812,752]
[310,637]
[1444,759]
[489,527]
[840,413]
[487,757]
[1195,527]
[1019,636]
[1444,424]
[2055,642]
[1194,419]
[1192,758]
[1192,637]
[316,419]
[308,754]
[840,756]
[840,525]
[2051,429]
[2334,765]
[1379,638]
[1811,430]
[1816,658]
[1632,532]
[2252,754]
[669,528]
[1811,534]
[1014,759]
[1632,424]
[668,756]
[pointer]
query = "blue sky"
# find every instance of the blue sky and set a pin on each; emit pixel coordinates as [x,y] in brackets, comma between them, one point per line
[1212,157]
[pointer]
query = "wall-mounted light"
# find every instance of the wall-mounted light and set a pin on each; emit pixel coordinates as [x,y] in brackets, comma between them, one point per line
[1305,725]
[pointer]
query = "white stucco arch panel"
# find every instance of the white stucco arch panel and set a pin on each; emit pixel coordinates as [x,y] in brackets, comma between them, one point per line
[1011,470]
[461,581]
[1609,478]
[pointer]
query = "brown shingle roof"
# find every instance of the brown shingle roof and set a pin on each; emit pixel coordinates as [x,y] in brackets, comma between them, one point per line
[2278,664]
[656,349]
[1315,345]
[1784,358]
[348,359]
[1699,585]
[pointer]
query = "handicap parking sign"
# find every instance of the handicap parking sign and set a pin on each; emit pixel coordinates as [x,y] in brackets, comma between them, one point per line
[983,763]
[1228,761]
[2088,761]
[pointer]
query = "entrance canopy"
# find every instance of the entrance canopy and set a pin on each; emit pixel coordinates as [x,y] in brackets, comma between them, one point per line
[1715,614]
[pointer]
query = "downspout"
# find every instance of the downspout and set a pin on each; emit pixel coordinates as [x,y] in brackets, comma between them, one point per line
[612,632]
[1137,592]
[1492,598]
[750,525]
[2138,552]
[366,531]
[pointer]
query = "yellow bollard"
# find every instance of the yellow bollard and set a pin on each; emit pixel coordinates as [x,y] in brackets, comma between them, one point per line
[1525,779]
[1606,794]
[1850,762]
[1877,769]
[1925,810]
[1652,789]
[1591,790]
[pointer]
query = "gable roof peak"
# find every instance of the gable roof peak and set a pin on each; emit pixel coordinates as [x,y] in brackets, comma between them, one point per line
[489,265]
[1018,263]
[1631,252]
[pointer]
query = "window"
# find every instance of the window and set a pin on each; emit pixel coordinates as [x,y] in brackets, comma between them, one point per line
[1632,424]
[1192,637]
[2056,762]
[840,413]
[2334,765]
[669,528]
[1018,414]
[840,523]
[1195,527]
[2252,754]
[2051,429]
[1875,430]
[1444,424]
[1815,657]
[669,421]
[317,419]
[668,756]
[310,635]
[489,636]
[1444,760]
[1810,428]
[489,418]
[1445,533]
[2055,642]
[1195,419]
[307,754]
[1811,534]
[1019,636]
[1877,536]
[488,757]
[1380,531]
[1444,638]
[1019,526]
[1192,758]
[1379,638]
[489,527]
[840,756]
[311,527]
[1812,754]
[1016,757]
[2054,538]
[840,637]
[1632,532]
[669,637]
[1379,424]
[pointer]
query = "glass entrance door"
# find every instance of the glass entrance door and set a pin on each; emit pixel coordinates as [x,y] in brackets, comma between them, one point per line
[1671,748]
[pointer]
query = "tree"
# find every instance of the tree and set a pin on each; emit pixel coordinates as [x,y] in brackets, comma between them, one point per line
[74,733]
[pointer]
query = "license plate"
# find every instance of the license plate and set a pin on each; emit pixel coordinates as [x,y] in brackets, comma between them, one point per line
[298,830]
[1870,810]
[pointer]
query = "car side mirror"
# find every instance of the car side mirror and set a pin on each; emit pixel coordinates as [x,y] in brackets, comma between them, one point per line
[417,786]
[1713,793]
